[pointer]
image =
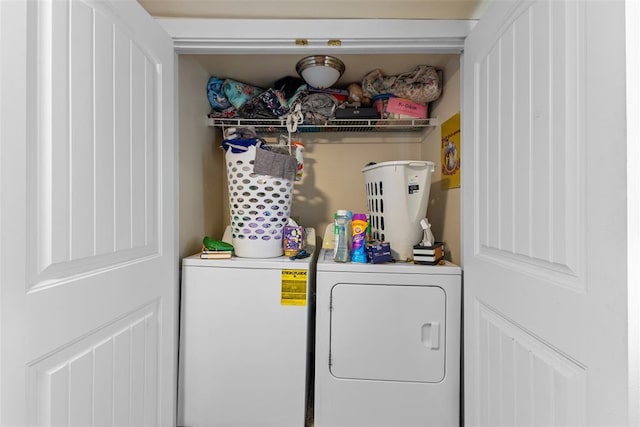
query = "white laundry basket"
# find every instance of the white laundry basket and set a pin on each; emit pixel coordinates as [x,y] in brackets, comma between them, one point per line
[259,207]
[397,198]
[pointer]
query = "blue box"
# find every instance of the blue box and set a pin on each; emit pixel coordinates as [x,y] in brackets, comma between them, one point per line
[379,252]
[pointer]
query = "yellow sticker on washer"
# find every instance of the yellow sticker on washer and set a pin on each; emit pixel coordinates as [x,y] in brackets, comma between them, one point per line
[294,287]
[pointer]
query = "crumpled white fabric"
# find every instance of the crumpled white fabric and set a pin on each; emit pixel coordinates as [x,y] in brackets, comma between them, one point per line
[421,85]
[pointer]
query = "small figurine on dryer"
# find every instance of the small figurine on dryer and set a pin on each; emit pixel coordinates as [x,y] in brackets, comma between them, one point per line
[428,252]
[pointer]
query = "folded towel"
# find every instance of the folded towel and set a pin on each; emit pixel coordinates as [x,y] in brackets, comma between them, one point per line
[275,164]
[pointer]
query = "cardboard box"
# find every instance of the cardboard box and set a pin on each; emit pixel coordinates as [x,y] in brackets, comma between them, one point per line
[379,252]
[293,240]
[428,255]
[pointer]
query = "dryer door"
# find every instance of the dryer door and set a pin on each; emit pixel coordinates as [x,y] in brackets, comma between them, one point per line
[388,332]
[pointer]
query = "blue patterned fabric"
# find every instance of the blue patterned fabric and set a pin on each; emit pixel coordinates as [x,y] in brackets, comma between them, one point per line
[217,98]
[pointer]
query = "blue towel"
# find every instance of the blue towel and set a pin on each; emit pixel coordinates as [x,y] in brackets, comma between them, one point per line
[240,145]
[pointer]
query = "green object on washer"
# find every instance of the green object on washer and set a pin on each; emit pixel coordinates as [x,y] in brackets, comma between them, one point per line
[215,245]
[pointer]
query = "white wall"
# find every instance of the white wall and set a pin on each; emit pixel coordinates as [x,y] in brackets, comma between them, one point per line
[334,177]
[444,206]
[200,163]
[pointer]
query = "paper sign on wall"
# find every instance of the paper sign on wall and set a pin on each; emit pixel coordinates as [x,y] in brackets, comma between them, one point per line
[294,287]
[450,153]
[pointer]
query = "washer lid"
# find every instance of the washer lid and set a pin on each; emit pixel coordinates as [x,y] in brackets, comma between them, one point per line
[388,332]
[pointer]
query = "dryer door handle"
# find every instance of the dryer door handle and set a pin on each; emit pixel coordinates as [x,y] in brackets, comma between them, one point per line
[431,335]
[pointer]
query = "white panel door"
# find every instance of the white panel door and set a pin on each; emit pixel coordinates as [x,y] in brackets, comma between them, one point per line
[88,263]
[544,190]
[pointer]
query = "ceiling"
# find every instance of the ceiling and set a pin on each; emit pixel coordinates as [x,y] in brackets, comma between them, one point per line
[316,9]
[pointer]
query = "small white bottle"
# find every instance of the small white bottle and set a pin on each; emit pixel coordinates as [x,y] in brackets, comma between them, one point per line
[299,146]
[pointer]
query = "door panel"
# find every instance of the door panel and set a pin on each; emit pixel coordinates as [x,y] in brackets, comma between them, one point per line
[539,190]
[113,366]
[531,176]
[91,282]
[372,339]
[94,196]
[527,381]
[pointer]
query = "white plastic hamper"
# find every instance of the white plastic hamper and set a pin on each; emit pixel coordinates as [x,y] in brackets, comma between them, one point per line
[397,198]
[259,207]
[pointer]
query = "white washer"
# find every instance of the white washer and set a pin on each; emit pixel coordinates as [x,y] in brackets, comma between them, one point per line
[245,342]
[387,344]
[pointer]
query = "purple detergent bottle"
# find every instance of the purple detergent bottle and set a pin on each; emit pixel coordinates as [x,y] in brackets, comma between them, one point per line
[359,238]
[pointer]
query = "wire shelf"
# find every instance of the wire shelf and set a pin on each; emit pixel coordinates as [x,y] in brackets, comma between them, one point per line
[333,125]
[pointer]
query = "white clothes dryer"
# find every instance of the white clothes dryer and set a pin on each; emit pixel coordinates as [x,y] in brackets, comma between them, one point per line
[387,344]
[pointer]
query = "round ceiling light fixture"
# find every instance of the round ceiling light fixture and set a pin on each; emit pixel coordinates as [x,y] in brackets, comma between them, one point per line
[320,71]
